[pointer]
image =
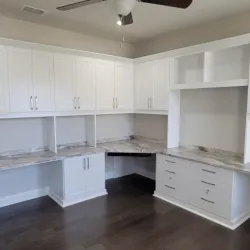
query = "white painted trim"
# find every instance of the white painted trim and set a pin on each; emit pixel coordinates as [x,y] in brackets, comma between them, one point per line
[25,196]
[206,85]
[151,112]
[57,49]
[219,220]
[80,198]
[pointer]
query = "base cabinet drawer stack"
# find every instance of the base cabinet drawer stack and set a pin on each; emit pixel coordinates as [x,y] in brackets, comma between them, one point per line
[78,179]
[215,193]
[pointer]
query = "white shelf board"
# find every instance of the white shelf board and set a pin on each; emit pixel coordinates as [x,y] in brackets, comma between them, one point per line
[213,84]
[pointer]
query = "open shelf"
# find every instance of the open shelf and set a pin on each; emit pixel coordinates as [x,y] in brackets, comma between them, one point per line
[215,69]
[214,84]
[228,64]
[187,69]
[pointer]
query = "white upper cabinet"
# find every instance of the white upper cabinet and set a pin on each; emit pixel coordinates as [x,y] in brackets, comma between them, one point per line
[143,85]
[161,76]
[124,86]
[43,81]
[85,83]
[20,80]
[3,81]
[105,85]
[65,99]
[152,85]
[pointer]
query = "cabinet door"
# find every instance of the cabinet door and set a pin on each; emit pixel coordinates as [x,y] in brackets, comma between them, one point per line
[105,84]
[65,98]
[3,81]
[95,181]
[74,178]
[161,84]
[20,80]
[85,70]
[43,82]
[143,85]
[124,86]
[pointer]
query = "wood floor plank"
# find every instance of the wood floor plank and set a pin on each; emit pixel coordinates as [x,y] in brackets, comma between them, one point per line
[128,218]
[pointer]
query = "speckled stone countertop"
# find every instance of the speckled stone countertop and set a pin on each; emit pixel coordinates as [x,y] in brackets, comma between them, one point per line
[212,157]
[146,146]
[27,159]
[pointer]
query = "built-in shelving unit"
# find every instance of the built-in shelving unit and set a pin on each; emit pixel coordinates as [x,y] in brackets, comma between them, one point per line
[228,67]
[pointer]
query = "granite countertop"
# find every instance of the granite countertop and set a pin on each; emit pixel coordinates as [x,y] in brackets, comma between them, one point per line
[28,159]
[146,146]
[212,157]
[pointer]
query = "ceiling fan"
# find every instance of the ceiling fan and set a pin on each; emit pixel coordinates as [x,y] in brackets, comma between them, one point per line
[124,7]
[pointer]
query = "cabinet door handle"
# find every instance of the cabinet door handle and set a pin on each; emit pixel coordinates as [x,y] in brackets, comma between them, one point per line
[170,187]
[207,201]
[170,161]
[88,162]
[151,102]
[170,172]
[208,183]
[79,104]
[113,103]
[75,102]
[31,102]
[208,171]
[116,102]
[36,106]
[84,164]
[148,102]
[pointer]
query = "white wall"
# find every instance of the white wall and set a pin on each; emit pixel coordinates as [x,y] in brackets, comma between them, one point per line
[22,134]
[151,126]
[70,129]
[214,118]
[21,184]
[219,29]
[31,32]
[114,126]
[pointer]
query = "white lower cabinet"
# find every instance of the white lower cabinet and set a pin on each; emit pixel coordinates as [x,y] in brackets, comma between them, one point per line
[217,194]
[78,179]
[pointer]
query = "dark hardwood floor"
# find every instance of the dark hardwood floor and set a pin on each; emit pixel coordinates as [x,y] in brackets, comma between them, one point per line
[129,218]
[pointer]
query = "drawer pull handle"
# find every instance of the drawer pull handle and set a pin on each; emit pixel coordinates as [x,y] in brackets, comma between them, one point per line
[208,171]
[171,172]
[208,183]
[211,202]
[170,161]
[170,187]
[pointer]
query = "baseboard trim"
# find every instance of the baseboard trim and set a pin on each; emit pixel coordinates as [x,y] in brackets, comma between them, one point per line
[21,197]
[216,219]
[79,199]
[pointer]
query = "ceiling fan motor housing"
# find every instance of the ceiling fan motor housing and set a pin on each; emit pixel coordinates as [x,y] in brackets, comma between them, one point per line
[124,7]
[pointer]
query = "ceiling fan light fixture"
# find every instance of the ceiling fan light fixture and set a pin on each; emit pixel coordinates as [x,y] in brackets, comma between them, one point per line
[119,21]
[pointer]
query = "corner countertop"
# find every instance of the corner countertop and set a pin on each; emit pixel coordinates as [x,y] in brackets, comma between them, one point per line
[212,157]
[145,146]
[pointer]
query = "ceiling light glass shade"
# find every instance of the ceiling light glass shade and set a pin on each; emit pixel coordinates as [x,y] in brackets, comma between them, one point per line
[124,7]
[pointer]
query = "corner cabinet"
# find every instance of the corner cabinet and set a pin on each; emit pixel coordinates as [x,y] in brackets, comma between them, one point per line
[78,179]
[114,86]
[152,85]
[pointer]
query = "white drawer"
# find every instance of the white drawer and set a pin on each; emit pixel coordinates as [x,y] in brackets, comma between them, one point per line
[172,164]
[212,189]
[211,174]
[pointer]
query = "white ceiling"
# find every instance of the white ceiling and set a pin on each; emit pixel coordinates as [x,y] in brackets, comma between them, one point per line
[100,19]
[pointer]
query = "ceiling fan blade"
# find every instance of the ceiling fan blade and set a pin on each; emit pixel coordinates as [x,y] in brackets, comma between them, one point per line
[172,3]
[126,20]
[78,4]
